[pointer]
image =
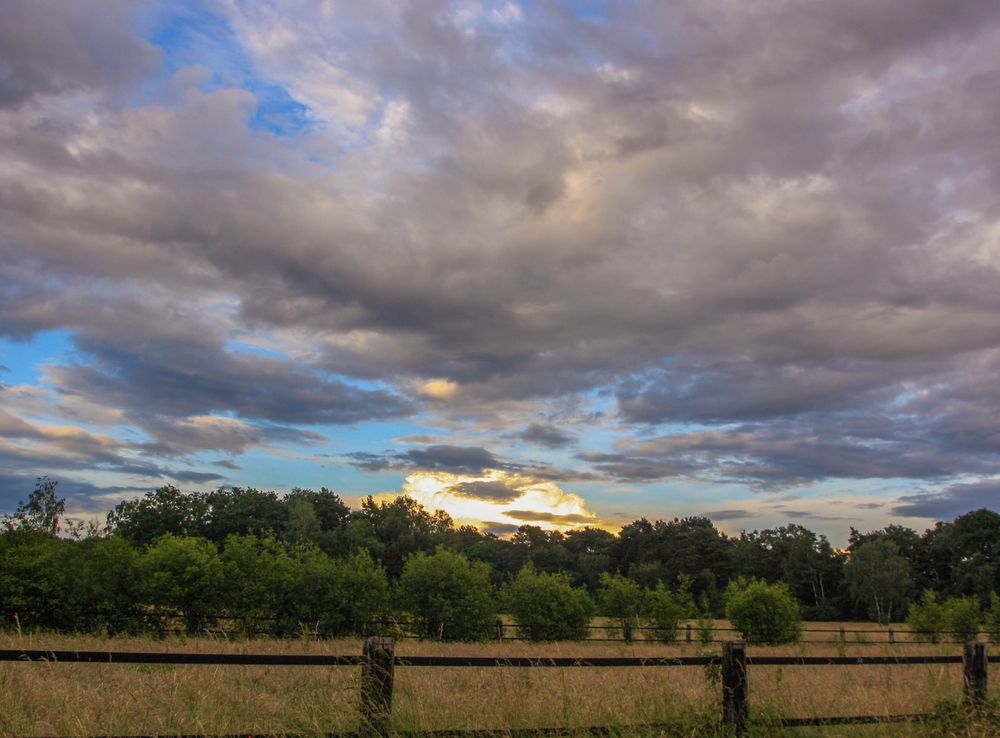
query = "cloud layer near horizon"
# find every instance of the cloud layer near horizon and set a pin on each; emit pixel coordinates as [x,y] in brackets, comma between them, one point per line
[754,244]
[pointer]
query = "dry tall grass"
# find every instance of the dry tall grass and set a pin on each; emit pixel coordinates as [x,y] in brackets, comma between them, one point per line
[109,699]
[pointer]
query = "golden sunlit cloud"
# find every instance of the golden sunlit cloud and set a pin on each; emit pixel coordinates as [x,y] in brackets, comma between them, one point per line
[498,498]
[438,389]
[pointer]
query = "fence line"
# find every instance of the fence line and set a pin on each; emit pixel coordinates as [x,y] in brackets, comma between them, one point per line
[687,632]
[378,662]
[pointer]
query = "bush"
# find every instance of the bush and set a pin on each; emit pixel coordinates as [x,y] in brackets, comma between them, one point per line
[763,613]
[621,600]
[183,574]
[109,585]
[991,621]
[927,618]
[547,607]
[663,612]
[962,617]
[449,596]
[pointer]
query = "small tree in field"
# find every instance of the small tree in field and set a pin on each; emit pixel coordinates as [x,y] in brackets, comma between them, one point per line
[927,617]
[663,611]
[450,597]
[763,613]
[621,600]
[547,607]
[962,618]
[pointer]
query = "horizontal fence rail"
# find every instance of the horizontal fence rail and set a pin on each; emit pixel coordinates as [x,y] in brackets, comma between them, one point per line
[378,662]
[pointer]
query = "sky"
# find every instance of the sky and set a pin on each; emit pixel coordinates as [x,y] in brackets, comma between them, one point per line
[541,262]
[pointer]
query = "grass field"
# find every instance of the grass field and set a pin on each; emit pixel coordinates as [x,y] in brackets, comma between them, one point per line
[107,699]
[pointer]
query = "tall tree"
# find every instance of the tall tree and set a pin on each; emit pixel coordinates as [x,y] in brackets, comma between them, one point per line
[879,577]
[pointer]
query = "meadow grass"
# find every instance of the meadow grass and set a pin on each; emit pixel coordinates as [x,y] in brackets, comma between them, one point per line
[111,699]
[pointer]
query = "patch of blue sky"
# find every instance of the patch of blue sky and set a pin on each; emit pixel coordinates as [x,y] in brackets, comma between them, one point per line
[22,361]
[265,470]
[192,34]
[374,437]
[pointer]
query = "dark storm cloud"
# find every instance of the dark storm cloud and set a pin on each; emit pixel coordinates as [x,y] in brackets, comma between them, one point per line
[441,457]
[494,491]
[951,501]
[755,214]
[545,435]
[48,46]
[776,456]
[729,514]
[535,516]
[182,369]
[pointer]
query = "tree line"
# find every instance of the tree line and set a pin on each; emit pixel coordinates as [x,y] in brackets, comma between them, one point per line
[306,559]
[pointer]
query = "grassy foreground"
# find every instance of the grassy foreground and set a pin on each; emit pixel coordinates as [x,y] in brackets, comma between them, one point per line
[108,699]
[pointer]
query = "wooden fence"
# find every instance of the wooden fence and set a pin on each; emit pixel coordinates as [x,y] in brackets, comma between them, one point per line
[379,661]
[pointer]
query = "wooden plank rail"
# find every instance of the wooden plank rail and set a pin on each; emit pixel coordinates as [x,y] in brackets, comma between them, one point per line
[378,662]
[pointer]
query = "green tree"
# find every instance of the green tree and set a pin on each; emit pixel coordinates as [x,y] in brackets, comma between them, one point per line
[42,511]
[394,530]
[238,511]
[621,601]
[38,578]
[449,597]
[663,611]
[547,607]
[183,574]
[963,618]
[109,582]
[879,577]
[165,510]
[334,597]
[763,613]
[927,617]
[260,584]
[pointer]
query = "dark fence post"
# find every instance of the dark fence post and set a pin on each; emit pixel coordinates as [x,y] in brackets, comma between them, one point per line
[892,636]
[735,694]
[499,629]
[688,634]
[376,684]
[974,675]
[627,631]
[843,635]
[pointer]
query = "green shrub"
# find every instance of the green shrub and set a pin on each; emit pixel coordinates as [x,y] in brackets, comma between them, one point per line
[927,618]
[962,618]
[450,597]
[621,600]
[663,611]
[184,574]
[547,607]
[991,621]
[763,613]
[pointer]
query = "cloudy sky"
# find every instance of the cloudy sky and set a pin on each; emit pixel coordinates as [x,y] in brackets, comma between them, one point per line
[552,262]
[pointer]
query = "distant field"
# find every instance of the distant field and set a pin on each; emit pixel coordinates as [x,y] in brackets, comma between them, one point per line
[107,699]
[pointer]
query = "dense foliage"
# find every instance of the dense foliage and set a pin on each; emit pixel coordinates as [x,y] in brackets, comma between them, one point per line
[283,564]
[763,613]
[547,607]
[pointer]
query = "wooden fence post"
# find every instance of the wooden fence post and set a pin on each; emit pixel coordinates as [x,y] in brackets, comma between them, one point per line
[499,629]
[376,684]
[892,636]
[735,693]
[843,635]
[688,634]
[974,674]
